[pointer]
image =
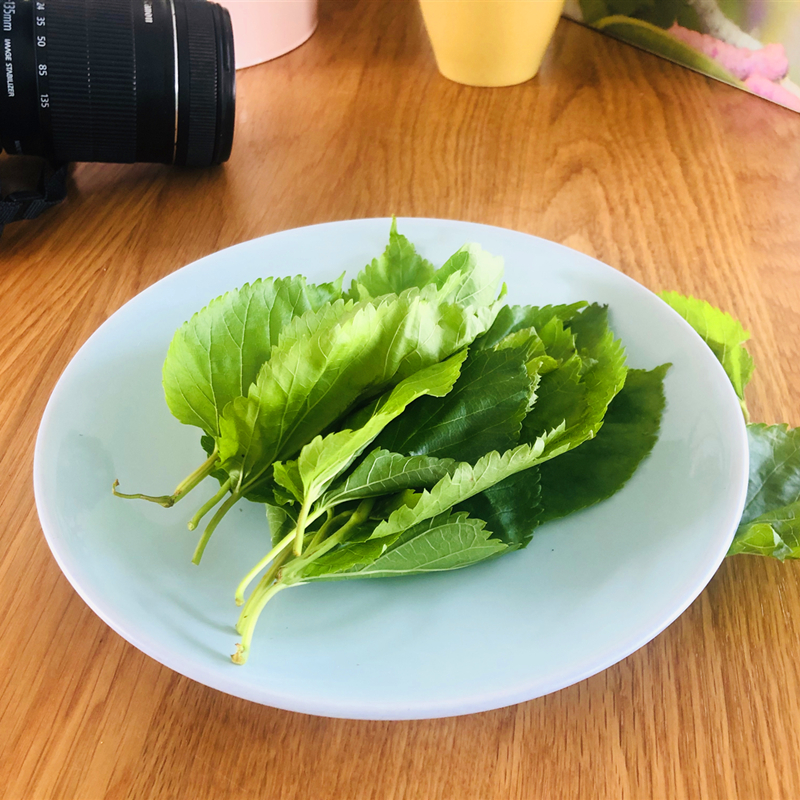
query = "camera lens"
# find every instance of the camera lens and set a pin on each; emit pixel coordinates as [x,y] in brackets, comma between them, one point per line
[117,80]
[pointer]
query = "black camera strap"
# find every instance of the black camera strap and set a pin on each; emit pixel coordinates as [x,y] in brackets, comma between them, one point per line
[27,204]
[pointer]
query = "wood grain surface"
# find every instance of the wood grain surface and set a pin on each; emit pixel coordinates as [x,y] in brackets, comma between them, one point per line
[679,181]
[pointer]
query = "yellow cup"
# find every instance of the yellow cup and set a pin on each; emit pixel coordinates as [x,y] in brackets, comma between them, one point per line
[490,42]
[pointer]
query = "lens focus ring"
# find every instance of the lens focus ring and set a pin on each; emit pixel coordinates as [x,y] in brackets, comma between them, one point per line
[92,80]
[197,59]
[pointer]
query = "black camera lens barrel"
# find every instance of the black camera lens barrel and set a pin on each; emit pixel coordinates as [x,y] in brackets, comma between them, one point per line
[118,80]
[20,128]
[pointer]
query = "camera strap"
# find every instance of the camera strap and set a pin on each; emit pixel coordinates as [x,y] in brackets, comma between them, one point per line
[27,204]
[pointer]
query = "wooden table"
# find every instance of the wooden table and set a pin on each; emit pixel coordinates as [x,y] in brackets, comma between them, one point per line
[677,180]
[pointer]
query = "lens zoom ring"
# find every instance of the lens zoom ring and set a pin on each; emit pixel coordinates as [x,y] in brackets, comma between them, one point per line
[92,72]
[202,85]
[68,71]
[113,80]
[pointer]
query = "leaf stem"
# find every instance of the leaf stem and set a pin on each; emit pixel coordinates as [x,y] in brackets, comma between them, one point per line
[360,515]
[274,580]
[267,579]
[166,500]
[181,490]
[243,648]
[200,474]
[274,553]
[279,548]
[209,504]
[215,520]
[300,530]
[326,526]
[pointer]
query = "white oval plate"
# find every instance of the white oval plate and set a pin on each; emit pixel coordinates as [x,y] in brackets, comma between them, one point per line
[588,591]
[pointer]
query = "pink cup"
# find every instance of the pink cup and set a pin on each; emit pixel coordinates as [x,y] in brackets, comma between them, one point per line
[266,29]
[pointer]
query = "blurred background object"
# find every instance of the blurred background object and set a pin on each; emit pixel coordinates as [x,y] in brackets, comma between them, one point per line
[751,44]
[490,42]
[266,29]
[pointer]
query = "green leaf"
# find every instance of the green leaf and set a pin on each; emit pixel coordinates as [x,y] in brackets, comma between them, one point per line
[483,412]
[287,476]
[312,381]
[593,10]
[769,524]
[216,355]
[480,274]
[557,367]
[445,542]
[281,521]
[208,443]
[688,17]
[511,508]
[601,466]
[560,342]
[465,482]
[627,8]
[511,319]
[537,362]
[306,325]
[722,333]
[590,328]
[774,469]
[273,493]
[560,399]
[579,393]
[653,39]
[604,376]
[398,269]
[325,458]
[661,13]
[775,534]
[383,473]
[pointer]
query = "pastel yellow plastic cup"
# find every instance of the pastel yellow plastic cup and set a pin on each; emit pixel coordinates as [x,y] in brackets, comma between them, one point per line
[490,42]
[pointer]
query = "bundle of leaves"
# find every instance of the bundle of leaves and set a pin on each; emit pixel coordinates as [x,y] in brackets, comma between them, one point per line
[411,424]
